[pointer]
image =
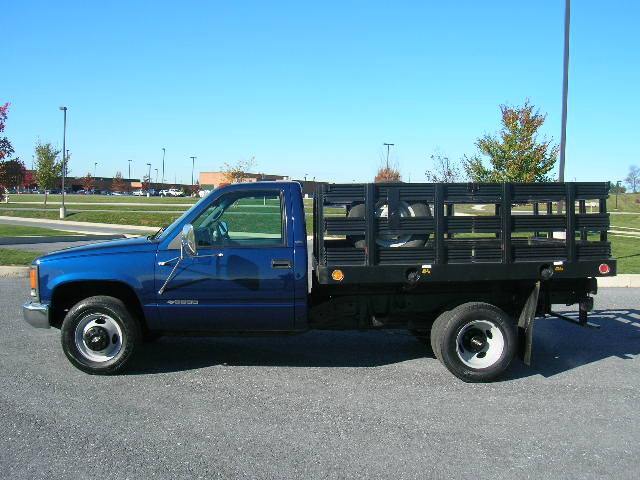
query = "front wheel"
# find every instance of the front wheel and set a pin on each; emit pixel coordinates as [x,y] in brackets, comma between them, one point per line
[99,335]
[475,341]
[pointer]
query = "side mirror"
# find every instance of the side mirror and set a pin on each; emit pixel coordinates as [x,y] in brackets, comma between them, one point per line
[188,240]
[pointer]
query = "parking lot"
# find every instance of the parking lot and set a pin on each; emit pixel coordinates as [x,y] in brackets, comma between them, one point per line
[323,405]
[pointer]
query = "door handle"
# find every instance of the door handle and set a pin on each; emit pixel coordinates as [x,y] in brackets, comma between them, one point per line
[280,264]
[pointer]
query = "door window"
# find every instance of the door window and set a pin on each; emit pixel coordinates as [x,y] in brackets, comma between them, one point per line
[251,219]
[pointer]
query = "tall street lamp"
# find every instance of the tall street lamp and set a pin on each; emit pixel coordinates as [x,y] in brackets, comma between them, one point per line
[388,145]
[193,164]
[129,168]
[565,88]
[63,210]
[95,169]
[163,153]
[156,175]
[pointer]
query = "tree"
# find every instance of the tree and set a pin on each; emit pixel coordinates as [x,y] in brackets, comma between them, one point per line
[444,170]
[237,172]
[12,173]
[28,179]
[146,182]
[633,178]
[48,168]
[88,182]
[118,184]
[516,155]
[387,174]
[195,189]
[6,149]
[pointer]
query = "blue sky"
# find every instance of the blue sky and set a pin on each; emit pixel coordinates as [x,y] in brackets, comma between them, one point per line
[314,87]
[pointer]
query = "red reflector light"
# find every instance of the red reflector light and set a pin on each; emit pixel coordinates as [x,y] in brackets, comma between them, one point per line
[604,268]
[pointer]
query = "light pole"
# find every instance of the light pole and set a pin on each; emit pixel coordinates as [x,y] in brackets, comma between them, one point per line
[565,89]
[63,210]
[156,176]
[617,191]
[129,168]
[95,168]
[148,178]
[193,164]
[388,145]
[163,153]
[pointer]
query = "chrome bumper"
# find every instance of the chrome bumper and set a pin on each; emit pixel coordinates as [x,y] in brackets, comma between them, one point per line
[36,314]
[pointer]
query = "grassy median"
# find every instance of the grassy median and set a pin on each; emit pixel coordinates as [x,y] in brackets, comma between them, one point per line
[12,257]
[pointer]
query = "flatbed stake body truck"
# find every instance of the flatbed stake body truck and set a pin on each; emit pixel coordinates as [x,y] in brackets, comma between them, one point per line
[464,267]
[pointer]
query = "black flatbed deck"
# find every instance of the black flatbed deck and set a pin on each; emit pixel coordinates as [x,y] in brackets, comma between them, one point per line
[516,235]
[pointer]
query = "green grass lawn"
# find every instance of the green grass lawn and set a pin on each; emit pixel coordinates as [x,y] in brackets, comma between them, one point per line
[9,256]
[627,202]
[22,231]
[627,252]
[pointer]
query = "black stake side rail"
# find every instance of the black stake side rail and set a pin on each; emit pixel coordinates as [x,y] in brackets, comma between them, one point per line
[447,258]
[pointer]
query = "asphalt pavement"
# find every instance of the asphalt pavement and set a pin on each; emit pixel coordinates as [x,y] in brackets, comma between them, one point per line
[323,405]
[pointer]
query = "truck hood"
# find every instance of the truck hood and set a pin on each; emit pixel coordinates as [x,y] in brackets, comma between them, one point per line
[111,247]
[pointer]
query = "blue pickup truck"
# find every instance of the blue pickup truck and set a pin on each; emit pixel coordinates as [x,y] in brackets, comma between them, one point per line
[466,268]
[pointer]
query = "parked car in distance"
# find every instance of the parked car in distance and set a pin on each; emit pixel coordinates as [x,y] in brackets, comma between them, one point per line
[171,192]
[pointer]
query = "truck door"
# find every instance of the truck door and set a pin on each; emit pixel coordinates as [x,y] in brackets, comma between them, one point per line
[242,278]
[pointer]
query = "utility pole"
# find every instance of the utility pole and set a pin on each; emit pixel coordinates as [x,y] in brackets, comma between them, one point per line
[63,210]
[388,145]
[565,89]
[163,153]
[193,164]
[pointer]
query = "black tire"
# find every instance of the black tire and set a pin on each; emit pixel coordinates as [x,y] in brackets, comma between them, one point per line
[456,333]
[119,318]
[418,209]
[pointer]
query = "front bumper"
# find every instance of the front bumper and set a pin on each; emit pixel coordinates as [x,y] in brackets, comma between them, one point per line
[36,314]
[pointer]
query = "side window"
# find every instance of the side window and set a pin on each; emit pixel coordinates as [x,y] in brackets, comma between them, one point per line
[252,219]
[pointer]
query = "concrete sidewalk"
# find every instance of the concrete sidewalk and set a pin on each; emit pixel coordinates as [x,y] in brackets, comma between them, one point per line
[78,227]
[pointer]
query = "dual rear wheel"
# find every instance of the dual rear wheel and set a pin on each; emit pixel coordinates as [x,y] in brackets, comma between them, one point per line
[475,341]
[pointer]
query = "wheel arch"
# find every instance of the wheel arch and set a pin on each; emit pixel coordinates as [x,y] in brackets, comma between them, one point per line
[66,295]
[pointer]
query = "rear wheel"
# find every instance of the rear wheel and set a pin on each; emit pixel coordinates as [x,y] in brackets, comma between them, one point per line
[99,335]
[475,341]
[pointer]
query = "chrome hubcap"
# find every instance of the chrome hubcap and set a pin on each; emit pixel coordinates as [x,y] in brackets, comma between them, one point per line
[98,337]
[480,344]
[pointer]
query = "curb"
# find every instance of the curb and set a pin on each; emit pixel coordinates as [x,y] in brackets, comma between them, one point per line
[625,280]
[57,239]
[13,272]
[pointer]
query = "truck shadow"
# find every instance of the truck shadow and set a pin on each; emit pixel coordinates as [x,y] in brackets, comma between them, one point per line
[312,349]
[558,347]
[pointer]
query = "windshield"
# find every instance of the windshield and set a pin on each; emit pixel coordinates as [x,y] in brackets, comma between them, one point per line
[161,235]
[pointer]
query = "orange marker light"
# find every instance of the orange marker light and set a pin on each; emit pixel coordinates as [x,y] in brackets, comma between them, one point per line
[33,278]
[337,275]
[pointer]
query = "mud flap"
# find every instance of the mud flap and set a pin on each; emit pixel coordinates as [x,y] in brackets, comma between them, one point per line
[525,325]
